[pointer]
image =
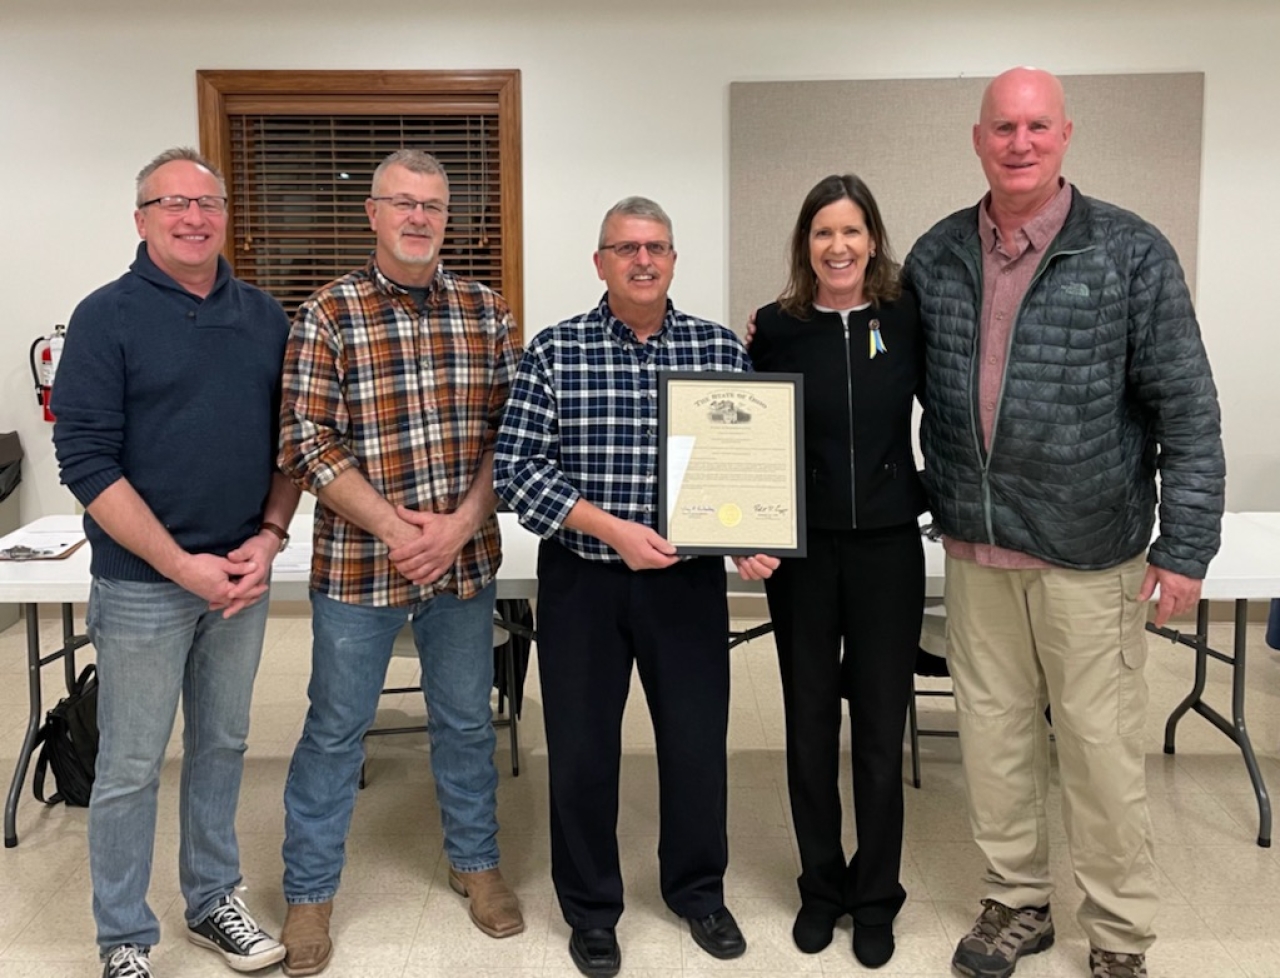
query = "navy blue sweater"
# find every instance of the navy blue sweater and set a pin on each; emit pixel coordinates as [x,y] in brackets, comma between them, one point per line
[177,394]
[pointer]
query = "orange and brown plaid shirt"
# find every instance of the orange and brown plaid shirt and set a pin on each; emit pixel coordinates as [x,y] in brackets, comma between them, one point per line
[412,398]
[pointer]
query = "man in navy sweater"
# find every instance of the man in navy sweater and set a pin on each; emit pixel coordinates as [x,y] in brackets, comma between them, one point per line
[167,400]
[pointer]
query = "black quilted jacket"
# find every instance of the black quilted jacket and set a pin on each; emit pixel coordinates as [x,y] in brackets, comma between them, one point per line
[1107,382]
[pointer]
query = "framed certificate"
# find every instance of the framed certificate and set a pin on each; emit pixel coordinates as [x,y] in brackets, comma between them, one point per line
[730,462]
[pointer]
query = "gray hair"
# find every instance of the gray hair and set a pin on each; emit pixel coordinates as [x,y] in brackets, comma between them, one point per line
[637,207]
[172,156]
[415,161]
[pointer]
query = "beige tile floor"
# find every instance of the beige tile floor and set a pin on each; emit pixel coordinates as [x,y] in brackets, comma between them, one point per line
[397,918]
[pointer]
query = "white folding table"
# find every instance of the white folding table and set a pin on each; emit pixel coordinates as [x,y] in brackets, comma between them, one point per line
[1247,568]
[65,582]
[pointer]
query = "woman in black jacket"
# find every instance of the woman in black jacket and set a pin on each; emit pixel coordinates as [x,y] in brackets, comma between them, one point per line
[845,323]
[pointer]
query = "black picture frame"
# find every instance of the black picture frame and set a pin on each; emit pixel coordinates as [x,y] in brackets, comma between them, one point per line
[733,395]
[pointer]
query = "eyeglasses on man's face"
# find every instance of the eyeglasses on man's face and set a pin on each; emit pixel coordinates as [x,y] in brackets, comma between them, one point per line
[629,249]
[407,205]
[178,204]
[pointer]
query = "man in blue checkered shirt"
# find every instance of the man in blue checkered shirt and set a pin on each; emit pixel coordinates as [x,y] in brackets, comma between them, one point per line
[577,459]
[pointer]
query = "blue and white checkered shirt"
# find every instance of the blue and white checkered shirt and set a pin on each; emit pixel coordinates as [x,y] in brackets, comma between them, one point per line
[581,420]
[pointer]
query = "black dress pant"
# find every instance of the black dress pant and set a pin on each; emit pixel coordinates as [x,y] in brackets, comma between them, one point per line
[863,589]
[594,620]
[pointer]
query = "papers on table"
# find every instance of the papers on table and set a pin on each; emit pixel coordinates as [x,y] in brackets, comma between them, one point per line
[42,542]
[294,560]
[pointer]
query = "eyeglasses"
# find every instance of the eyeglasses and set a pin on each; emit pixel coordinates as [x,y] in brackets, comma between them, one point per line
[407,205]
[178,204]
[629,249]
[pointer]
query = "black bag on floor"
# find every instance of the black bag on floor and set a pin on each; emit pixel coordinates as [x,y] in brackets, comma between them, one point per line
[68,744]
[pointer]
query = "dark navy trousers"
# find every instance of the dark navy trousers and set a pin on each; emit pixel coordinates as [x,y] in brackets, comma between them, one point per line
[595,620]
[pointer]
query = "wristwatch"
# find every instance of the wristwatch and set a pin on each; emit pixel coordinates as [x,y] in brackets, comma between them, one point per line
[276,530]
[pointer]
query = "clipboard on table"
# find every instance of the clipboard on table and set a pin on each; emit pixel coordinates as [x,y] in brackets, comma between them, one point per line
[33,543]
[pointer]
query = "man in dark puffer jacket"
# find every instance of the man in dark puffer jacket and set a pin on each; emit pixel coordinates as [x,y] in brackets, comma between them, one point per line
[1064,368]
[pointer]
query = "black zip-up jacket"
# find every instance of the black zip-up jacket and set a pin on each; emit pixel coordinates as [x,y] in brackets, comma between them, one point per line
[1106,382]
[859,469]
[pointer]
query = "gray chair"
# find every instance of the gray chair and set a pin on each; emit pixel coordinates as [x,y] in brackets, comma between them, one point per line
[933,641]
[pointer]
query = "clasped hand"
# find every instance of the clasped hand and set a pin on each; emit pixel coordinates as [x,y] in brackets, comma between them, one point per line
[234,582]
[426,545]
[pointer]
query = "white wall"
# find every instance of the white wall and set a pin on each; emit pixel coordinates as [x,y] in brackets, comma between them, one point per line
[619,98]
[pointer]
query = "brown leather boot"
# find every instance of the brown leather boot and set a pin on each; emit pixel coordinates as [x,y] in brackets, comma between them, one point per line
[306,938]
[494,908]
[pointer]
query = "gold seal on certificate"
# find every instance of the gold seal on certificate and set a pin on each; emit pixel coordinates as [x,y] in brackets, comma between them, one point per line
[729,462]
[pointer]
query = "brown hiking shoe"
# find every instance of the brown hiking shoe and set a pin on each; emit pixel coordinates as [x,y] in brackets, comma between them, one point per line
[306,938]
[999,937]
[1115,964]
[494,908]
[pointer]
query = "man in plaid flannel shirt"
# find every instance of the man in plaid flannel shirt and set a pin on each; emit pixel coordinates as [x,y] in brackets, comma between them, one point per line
[395,380]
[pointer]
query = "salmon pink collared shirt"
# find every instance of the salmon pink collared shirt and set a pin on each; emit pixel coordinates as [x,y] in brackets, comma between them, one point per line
[1007,270]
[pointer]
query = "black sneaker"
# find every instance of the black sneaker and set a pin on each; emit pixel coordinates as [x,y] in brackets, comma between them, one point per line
[127,961]
[230,930]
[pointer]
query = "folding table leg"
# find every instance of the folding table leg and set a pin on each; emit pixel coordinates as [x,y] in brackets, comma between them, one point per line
[1201,647]
[1241,730]
[1236,728]
[31,612]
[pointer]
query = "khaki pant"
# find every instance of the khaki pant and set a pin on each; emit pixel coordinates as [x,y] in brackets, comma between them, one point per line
[1073,640]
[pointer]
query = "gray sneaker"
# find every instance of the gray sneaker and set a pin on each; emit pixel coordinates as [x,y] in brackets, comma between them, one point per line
[999,937]
[127,961]
[1115,964]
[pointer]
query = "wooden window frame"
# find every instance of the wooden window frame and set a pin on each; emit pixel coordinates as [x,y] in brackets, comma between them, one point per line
[389,92]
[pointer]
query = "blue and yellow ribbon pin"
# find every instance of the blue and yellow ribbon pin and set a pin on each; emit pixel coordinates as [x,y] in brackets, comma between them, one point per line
[876,340]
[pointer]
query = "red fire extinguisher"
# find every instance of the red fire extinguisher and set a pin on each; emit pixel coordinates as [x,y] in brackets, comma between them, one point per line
[46,351]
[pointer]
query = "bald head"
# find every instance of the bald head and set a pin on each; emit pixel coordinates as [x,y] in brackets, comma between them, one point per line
[1023,83]
[1021,137]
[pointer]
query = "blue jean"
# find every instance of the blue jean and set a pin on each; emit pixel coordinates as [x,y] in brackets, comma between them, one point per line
[351,646]
[155,641]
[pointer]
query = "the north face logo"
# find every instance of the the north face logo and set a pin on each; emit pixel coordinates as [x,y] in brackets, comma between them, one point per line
[1076,288]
